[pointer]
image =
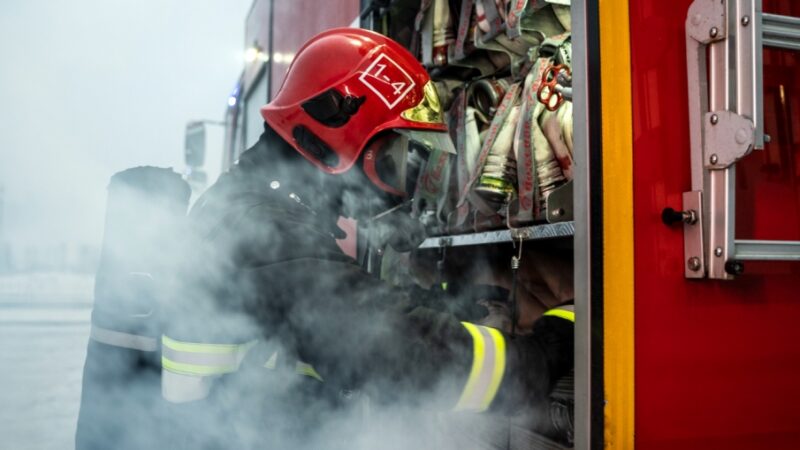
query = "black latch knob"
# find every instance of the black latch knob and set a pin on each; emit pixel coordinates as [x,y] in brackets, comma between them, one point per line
[734,267]
[669,216]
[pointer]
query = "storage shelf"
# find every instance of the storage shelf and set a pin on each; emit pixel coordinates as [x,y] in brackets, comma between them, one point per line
[534,232]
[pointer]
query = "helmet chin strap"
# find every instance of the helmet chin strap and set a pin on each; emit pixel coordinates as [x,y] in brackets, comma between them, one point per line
[391,210]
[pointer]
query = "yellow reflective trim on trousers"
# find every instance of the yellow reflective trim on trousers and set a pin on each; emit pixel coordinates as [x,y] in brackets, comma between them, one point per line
[564,314]
[488,367]
[478,352]
[499,366]
[195,347]
[195,369]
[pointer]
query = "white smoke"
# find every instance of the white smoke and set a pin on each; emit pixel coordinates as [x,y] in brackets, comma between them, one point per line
[88,88]
[217,286]
[101,108]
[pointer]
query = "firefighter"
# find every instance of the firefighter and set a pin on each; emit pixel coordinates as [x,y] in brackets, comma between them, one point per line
[273,327]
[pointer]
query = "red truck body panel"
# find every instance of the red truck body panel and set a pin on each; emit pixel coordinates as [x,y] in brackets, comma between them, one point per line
[717,363]
[297,21]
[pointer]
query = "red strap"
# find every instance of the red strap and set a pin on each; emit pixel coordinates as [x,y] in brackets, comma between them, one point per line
[493,18]
[514,18]
[416,36]
[463,27]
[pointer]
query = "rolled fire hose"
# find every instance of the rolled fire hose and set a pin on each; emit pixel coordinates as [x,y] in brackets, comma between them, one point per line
[552,130]
[548,171]
[473,140]
[442,32]
[486,94]
[498,179]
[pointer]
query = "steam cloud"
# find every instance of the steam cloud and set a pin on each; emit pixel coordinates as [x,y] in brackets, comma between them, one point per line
[198,290]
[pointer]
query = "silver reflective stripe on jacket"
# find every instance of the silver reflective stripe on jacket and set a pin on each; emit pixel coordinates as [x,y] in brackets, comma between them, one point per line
[124,340]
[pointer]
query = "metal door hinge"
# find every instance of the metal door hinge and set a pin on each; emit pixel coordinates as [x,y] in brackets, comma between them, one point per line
[727,138]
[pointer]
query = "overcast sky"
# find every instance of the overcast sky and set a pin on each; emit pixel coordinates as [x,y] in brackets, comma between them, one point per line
[91,87]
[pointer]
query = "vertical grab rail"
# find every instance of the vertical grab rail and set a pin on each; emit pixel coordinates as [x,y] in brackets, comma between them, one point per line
[726,124]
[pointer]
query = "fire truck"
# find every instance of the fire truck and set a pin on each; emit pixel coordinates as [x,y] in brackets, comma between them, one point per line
[681,212]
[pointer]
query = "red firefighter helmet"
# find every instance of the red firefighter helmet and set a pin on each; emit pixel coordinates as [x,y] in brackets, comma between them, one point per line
[344,87]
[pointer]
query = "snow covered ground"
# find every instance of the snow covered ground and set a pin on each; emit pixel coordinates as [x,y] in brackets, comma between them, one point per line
[44,328]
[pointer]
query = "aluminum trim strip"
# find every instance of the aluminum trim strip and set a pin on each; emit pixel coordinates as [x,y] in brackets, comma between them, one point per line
[756,250]
[535,232]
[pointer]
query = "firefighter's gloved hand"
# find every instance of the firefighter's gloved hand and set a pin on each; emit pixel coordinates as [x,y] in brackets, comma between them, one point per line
[498,314]
[408,235]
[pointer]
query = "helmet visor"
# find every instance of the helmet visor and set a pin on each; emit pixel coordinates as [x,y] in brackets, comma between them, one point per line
[428,110]
[385,162]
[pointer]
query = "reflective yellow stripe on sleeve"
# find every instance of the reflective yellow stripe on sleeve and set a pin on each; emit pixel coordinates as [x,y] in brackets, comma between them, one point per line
[563,312]
[300,367]
[201,359]
[272,362]
[488,366]
[308,370]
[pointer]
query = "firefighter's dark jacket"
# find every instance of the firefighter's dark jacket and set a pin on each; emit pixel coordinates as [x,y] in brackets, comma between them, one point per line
[261,262]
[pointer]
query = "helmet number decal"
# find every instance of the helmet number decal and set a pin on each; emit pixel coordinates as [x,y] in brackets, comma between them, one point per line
[398,87]
[387,80]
